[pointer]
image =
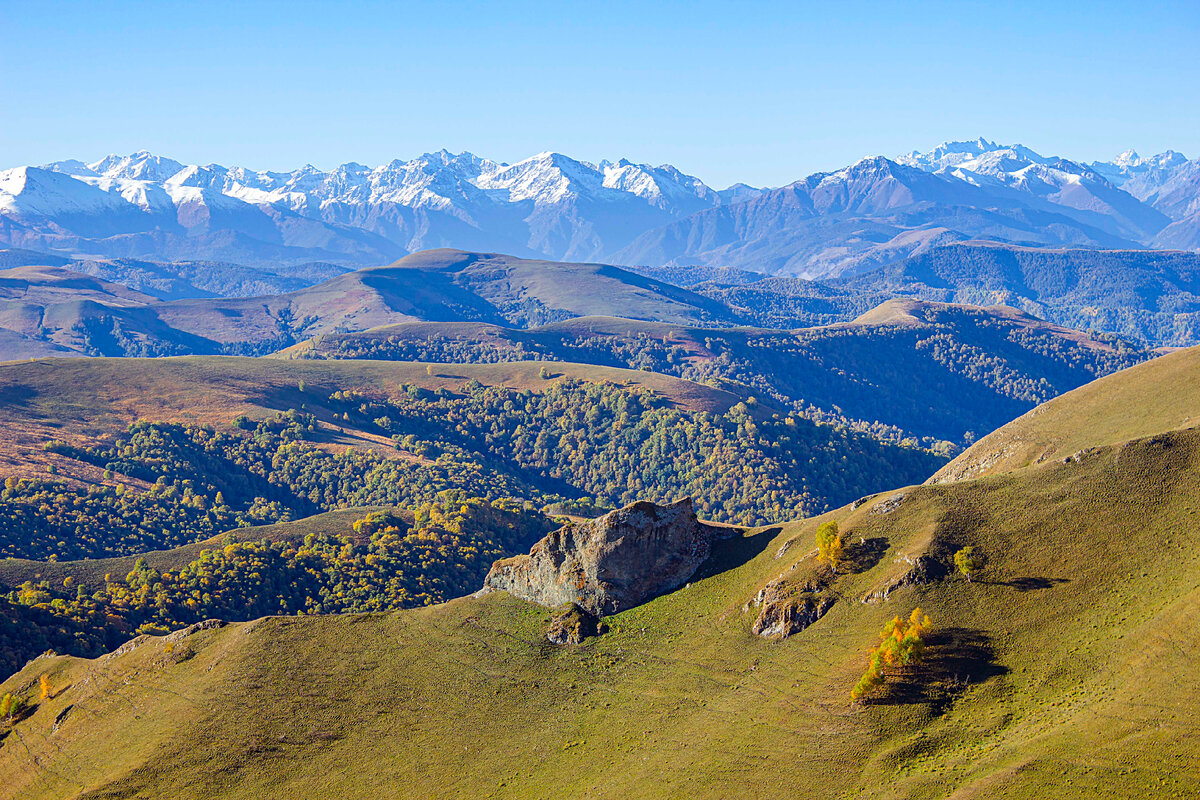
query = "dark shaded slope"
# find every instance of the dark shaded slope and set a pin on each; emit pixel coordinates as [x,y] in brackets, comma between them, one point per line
[908,368]
[1151,295]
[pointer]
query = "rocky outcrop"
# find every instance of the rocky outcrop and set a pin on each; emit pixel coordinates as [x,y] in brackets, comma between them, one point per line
[788,609]
[572,624]
[612,563]
[922,570]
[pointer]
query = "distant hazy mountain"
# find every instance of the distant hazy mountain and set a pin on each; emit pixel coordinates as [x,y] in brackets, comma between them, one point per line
[878,211]
[144,205]
[1168,182]
[1153,296]
[49,310]
[849,221]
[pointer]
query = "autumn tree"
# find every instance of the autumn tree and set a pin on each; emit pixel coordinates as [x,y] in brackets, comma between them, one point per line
[44,685]
[10,706]
[968,561]
[902,645]
[829,545]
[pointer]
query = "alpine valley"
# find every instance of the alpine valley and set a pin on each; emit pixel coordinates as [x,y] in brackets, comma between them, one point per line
[454,478]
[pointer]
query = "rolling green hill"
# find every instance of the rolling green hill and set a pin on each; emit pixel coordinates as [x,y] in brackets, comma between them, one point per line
[907,368]
[112,460]
[170,451]
[91,316]
[1065,668]
[1157,396]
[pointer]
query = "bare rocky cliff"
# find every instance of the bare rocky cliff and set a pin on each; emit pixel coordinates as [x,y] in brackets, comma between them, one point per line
[612,563]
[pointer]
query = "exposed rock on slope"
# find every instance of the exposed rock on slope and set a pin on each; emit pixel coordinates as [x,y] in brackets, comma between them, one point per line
[612,563]
[572,624]
[788,609]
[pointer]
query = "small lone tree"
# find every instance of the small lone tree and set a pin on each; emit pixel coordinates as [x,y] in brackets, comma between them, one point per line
[44,685]
[829,545]
[968,561]
[10,706]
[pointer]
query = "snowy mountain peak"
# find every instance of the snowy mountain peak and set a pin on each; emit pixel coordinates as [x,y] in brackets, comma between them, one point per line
[1127,159]
[142,165]
[1131,160]
[550,204]
[1168,181]
[968,155]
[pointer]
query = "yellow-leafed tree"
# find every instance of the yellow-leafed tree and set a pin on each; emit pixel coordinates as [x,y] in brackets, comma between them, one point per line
[829,545]
[903,645]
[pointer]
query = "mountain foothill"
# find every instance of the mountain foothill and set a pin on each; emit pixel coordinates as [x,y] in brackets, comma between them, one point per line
[458,478]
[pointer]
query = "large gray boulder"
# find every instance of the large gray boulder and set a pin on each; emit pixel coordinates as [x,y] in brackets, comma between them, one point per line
[612,563]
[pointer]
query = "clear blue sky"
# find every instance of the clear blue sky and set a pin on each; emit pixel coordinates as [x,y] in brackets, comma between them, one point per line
[761,92]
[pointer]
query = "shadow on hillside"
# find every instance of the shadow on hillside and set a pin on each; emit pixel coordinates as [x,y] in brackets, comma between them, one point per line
[955,659]
[20,396]
[729,554]
[1031,584]
[864,555]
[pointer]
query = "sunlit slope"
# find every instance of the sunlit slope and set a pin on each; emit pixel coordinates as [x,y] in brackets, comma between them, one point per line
[14,571]
[1067,666]
[1159,395]
[69,399]
[905,368]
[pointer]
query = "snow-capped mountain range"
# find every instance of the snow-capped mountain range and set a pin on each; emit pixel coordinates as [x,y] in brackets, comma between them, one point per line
[148,205]
[554,206]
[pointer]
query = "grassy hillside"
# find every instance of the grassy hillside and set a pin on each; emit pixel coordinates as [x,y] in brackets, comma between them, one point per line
[904,369]
[70,399]
[94,317]
[1067,666]
[1161,395]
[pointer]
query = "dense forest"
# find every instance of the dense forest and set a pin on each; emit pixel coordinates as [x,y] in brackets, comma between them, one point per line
[480,468]
[891,381]
[205,481]
[382,564]
[574,441]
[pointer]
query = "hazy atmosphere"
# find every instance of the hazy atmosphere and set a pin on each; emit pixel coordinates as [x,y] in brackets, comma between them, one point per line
[762,93]
[621,401]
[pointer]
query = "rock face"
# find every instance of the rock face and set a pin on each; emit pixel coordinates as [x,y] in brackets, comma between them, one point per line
[612,563]
[788,609]
[572,624]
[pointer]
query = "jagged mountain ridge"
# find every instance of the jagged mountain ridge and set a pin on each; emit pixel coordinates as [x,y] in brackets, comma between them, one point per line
[552,206]
[879,211]
[143,205]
